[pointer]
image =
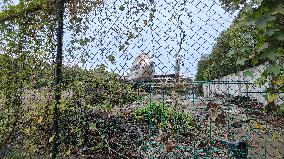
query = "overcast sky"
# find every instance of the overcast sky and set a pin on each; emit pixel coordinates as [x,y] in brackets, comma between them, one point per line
[201,20]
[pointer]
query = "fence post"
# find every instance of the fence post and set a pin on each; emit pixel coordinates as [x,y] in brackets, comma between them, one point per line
[163,112]
[58,77]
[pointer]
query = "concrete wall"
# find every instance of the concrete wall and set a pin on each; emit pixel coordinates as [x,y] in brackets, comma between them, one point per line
[240,89]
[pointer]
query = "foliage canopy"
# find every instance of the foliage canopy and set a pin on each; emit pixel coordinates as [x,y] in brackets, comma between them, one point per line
[255,37]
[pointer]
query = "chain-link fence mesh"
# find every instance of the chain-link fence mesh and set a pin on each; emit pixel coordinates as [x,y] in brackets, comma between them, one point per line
[122,87]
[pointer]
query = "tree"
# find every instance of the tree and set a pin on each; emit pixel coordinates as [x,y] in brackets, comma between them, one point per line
[28,43]
[255,36]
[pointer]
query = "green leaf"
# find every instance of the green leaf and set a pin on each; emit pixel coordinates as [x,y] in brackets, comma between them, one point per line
[248,73]
[84,42]
[121,8]
[248,8]
[260,81]
[258,2]
[272,55]
[281,108]
[251,21]
[279,36]
[271,97]
[247,36]
[231,52]
[245,48]
[279,81]
[271,32]
[93,126]
[121,47]
[279,10]
[263,47]
[111,58]
[130,35]
[274,69]
[254,61]
[68,152]
[264,20]
[101,67]
[241,61]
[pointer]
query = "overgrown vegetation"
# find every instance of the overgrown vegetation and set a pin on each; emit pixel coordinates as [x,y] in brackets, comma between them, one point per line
[255,37]
[27,47]
[86,126]
[84,93]
[165,116]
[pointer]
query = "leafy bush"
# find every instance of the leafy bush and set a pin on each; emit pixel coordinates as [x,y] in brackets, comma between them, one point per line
[97,87]
[83,91]
[161,114]
[254,38]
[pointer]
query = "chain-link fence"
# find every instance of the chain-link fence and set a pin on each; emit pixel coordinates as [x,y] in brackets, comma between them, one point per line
[115,79]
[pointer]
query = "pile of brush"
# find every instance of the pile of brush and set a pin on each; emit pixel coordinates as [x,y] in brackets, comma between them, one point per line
[252,106]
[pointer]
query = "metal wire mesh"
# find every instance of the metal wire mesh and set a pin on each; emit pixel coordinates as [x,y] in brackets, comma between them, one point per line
[125,86]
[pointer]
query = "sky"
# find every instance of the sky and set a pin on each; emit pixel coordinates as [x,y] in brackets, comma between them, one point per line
[201,20]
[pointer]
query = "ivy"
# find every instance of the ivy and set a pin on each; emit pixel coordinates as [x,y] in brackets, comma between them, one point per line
[248,73]
[28,45]
[121,8]
[262,22]
[274,69]
[255,37]
[23,7]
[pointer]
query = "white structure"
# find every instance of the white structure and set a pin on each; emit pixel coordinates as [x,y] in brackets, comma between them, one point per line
[254,91]
[143,69]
